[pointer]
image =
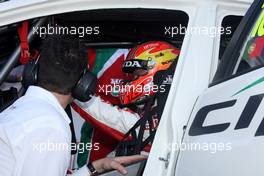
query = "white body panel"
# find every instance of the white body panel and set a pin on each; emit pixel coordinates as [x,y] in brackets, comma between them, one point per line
[242,151]
[196,67]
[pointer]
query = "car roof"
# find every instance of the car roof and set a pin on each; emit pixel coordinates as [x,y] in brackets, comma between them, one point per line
[13,4]
[16,10]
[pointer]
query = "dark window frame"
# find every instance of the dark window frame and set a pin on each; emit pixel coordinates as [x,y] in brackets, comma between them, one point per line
[232,53]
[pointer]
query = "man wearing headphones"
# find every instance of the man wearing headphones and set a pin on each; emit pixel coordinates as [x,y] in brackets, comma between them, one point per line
[35,135]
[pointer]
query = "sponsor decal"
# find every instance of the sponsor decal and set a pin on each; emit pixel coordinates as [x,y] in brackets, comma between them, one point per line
[168,79]
[198,128]
[132,64]
[115,84]
[116,81]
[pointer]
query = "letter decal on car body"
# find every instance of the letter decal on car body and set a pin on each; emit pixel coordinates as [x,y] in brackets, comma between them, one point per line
[244,121]
[197,127]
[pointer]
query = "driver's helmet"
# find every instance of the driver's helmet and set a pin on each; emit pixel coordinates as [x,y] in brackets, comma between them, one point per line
[142,63]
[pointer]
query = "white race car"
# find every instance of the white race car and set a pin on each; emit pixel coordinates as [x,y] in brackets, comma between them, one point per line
[212,122]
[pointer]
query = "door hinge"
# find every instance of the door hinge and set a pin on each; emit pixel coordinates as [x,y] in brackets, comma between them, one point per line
[165,160]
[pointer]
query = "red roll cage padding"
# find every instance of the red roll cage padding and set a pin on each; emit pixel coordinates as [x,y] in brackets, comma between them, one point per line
[23,34]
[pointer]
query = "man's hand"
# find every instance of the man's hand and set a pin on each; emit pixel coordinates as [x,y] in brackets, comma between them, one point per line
[105,164]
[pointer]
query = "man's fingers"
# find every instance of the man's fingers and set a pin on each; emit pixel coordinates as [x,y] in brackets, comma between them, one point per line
[118,166]
[130,159]
[116,163]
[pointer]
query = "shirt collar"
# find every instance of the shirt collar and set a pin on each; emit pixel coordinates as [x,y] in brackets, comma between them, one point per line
[49,97]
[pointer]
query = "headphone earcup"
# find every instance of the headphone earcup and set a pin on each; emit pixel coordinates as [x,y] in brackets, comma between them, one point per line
[30,74]
[85,87]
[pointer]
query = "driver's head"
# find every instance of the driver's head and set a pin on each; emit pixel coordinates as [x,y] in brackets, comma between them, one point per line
[62,61]
[142,63]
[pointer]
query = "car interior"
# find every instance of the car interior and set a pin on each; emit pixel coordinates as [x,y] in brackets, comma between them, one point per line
[118,28]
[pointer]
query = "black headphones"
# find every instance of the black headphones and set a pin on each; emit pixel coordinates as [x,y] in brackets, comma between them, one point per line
[84,88]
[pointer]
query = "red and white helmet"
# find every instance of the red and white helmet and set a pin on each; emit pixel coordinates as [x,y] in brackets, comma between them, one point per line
[143,62]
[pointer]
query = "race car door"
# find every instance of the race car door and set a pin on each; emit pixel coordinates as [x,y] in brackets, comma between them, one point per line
[225,133]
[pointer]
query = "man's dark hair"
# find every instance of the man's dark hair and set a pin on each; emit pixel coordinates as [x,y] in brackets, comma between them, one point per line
[61,64]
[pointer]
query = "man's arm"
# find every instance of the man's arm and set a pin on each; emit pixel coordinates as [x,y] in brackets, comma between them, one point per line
[118,119]
[116,163]
[110,163]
